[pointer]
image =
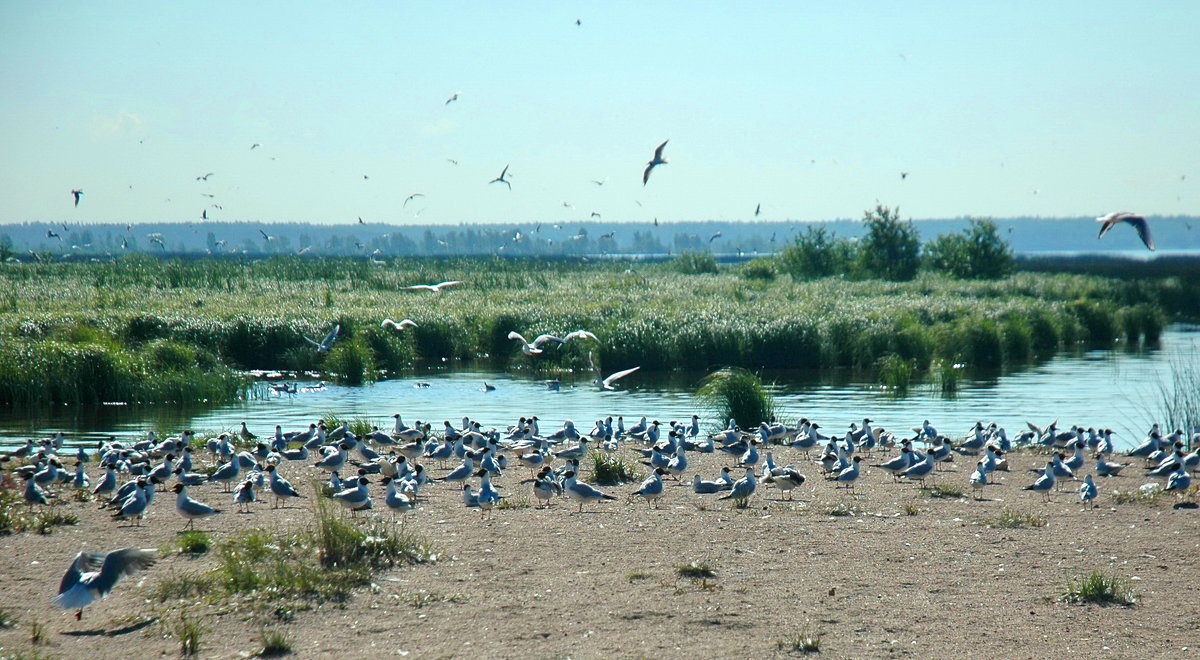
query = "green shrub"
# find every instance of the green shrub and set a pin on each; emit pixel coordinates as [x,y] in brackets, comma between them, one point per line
[891,248]
[735,393]
[351,362]
[977,252]
[759,269]
[816,253]
[695,263]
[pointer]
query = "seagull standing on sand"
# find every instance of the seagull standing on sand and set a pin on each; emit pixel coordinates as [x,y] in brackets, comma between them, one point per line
[582,492]
[191,509]
[1139,223]
[83,583]
[657,160]
[742,489]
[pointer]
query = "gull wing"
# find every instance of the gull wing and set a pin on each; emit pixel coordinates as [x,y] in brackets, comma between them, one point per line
[659,150]
[579,334]
[619,375]
[119,563]
[516,335]
[85,562]
[328,341]
[1143,229]
[541,339]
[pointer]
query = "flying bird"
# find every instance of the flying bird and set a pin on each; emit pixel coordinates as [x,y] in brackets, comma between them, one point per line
[758,209]
[77,193]
[255,146]
[578,22]
[453,97]
[406,323]
[452,161]
[410,198]
[501,178]
[714,237]
[323,346]
[903,175]
[1139,223]
[51,234]
[205,177]
[93,575]
[436,288]
[657,160]
[595,214]
[599,182]
[204,214]
[265,236]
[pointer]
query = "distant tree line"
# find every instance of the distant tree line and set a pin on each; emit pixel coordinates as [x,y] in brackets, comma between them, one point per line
[891,249]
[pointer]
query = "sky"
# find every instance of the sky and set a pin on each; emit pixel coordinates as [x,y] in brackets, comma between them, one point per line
[812,110]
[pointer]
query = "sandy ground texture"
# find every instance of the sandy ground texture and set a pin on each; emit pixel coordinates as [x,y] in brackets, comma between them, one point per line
[903,574]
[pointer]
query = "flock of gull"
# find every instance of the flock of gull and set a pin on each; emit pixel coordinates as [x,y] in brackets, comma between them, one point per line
[388,468]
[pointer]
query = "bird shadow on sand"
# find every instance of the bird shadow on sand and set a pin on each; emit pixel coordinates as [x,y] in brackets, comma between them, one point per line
[133,627]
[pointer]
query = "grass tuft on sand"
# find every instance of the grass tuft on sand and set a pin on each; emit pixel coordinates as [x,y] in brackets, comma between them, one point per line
[1099,589]
[802,642]
[696,570]
[275,643]
[1009,519]
[941,490]
[611,470]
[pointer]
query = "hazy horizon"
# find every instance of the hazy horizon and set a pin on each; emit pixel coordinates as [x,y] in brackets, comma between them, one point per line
[1070,109]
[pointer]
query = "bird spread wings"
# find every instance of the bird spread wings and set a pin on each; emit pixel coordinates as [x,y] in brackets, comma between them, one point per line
[436,288]
[85,562]
[607,382]
[328,341]
[1139,223]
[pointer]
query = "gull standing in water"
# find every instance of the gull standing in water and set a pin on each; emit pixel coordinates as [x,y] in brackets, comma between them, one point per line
[1138,222]
[92,575]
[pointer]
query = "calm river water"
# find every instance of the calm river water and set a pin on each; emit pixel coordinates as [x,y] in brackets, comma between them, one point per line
[1119,389]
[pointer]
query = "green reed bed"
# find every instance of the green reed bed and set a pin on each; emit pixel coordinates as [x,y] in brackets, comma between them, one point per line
[140,329]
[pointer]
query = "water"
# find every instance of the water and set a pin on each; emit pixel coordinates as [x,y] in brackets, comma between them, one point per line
[1117,389]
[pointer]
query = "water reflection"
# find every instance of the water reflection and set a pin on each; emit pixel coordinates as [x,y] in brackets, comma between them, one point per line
[1119,389]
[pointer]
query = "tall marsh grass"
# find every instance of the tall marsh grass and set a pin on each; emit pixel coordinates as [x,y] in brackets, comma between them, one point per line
[734,393]
[177,330]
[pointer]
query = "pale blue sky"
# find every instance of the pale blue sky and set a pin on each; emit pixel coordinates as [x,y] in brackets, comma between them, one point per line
[812,110]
